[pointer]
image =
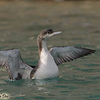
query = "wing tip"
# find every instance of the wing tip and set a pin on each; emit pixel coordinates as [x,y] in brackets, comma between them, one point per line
[93,51]
[86,52]
[90,51]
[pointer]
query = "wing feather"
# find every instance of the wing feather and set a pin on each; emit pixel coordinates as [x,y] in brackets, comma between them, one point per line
[68,53]
[14,64]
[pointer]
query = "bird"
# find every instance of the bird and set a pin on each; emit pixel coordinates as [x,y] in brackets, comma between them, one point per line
[49,60]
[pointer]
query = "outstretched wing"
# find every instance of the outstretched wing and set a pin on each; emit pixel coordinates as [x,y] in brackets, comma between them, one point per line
[16,68]
[68,53]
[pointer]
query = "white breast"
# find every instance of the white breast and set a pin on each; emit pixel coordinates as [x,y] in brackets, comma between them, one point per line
[47,66]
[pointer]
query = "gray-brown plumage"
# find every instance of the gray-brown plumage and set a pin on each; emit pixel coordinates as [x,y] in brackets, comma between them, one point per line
[47,64]
[68,53]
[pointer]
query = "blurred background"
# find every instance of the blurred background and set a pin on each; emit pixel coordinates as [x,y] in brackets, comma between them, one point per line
[20,23]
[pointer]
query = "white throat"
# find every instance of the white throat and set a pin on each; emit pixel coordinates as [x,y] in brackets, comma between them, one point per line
[47,66]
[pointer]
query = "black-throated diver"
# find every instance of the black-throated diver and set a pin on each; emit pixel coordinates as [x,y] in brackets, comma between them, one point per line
[48,63]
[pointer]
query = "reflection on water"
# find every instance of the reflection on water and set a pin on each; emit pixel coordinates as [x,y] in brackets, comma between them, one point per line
[22,21]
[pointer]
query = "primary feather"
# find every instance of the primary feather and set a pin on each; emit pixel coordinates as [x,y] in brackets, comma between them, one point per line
[16,68]
[68,53]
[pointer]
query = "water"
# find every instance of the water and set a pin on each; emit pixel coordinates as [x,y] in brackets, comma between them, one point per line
[21,22]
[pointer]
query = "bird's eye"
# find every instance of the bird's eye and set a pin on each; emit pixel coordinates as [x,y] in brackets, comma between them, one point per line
[49,32]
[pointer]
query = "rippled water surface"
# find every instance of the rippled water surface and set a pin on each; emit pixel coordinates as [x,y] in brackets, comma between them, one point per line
[21,22]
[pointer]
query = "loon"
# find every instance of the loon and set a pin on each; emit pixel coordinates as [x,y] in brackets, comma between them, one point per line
[49,60]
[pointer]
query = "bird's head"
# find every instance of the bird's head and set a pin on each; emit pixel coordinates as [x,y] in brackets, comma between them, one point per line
[46,34]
